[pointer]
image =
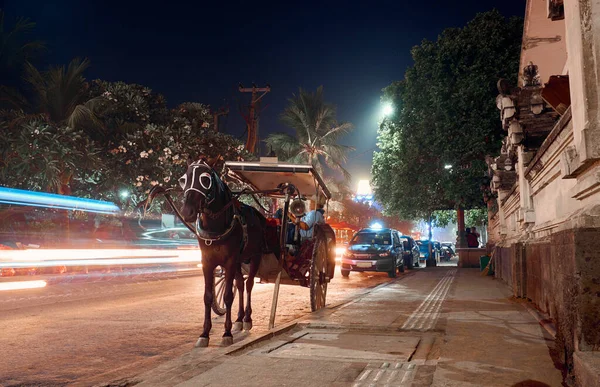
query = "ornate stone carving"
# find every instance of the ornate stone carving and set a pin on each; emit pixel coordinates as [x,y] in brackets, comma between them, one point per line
[515,133]
[536,102]
[531,76]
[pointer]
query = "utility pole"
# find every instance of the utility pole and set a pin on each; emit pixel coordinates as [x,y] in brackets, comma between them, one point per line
[216,114]
[252,118]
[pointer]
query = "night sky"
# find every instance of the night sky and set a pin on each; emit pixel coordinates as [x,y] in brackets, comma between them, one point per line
[200,52]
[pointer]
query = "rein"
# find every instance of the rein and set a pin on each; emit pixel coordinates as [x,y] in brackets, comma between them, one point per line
[207,236]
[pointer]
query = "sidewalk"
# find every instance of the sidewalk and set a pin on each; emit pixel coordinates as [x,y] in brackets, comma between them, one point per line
[436,326]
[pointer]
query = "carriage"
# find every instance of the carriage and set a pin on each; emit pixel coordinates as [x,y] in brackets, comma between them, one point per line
[308,262]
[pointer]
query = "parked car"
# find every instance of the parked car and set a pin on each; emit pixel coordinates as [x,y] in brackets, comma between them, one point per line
[411,251]
[424,250]
[373,249]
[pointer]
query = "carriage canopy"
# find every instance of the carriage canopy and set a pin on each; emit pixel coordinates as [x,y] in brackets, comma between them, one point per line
[268,175]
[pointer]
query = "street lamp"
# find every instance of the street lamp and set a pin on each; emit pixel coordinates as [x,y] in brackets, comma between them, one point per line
[124,194]
[387,109]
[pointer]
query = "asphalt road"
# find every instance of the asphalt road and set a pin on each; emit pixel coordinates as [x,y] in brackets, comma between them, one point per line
[79,331]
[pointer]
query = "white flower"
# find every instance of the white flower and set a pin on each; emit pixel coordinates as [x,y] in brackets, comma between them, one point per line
[138,184]
[154,182]
[210,145]
[161,159]
[205,124]
[36,131]
[122,148]
[150,151]
[166,179]
[140,178]
[176,157]
[144,154]
[187,127]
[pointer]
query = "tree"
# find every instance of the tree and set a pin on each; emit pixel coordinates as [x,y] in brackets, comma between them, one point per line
[432,149]
[47,157]
[317,133]
[17,51]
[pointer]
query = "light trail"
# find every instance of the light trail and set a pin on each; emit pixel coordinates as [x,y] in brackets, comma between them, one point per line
[19,285]
[95,257]
[47,200]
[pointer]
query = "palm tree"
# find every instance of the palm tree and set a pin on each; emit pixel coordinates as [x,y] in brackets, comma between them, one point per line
[61,94]
[317,133]
[16,51]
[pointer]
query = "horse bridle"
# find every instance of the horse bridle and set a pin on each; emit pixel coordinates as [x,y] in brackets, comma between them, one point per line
[197,184]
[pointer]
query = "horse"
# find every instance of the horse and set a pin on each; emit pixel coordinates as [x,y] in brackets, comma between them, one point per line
[227,231]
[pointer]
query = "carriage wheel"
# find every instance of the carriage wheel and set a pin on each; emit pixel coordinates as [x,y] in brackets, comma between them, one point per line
[318,271]
[218,305]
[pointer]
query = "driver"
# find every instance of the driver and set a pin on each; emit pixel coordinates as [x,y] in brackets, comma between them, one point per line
[308,221]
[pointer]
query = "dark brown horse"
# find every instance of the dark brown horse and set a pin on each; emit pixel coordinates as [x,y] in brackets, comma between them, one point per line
[229,233]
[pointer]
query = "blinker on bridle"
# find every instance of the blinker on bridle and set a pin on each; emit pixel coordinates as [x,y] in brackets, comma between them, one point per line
[201,182]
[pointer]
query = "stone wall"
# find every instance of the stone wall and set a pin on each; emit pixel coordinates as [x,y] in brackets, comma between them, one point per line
[561,276]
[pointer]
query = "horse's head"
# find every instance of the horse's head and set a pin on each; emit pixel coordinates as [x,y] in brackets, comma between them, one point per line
[200,188]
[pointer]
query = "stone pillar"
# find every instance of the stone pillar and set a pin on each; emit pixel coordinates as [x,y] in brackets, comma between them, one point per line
[582,19]
[526,213]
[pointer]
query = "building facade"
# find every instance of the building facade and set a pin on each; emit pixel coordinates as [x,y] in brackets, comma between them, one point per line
[544,220]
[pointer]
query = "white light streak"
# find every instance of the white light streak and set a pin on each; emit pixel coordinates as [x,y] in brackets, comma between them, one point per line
[20,285]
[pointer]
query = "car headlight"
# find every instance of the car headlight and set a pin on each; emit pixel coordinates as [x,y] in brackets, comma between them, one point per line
[422,255]
[340,250]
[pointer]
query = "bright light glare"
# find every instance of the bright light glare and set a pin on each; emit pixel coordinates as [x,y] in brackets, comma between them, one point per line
[387,109]
[19,285]
[364,188]
[376,226]
[94,257]
[124,194]
[447,166]
[340,250]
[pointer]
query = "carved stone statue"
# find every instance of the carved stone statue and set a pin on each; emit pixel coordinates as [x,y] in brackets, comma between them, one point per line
[531,76]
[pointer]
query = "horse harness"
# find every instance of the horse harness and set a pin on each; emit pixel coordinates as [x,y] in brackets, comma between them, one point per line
[206,181]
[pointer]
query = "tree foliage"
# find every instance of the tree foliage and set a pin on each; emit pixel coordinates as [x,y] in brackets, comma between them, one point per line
[126,141]
[317,134]
[473,217]
[432,149]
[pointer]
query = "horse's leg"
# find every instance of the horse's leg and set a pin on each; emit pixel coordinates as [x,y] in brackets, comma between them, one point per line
[239,283]
[208,269]
[249,285]
[230,273]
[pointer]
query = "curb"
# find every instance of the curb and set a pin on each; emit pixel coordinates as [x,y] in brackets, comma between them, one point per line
[298,321]
[543,320]
[177,369]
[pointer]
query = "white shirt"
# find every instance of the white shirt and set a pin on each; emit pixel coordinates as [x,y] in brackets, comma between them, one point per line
[312,218]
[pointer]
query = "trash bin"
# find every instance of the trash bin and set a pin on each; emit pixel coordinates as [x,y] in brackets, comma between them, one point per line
[483,262]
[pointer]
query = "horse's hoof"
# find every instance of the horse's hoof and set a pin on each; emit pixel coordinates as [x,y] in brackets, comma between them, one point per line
[238,326]
[247,325]
[226,341]
[202,342]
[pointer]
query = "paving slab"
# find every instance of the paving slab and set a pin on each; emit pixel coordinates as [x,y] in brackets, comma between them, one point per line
[440,327]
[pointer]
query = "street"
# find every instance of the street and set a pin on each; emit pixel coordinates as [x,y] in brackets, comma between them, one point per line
[119,327]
